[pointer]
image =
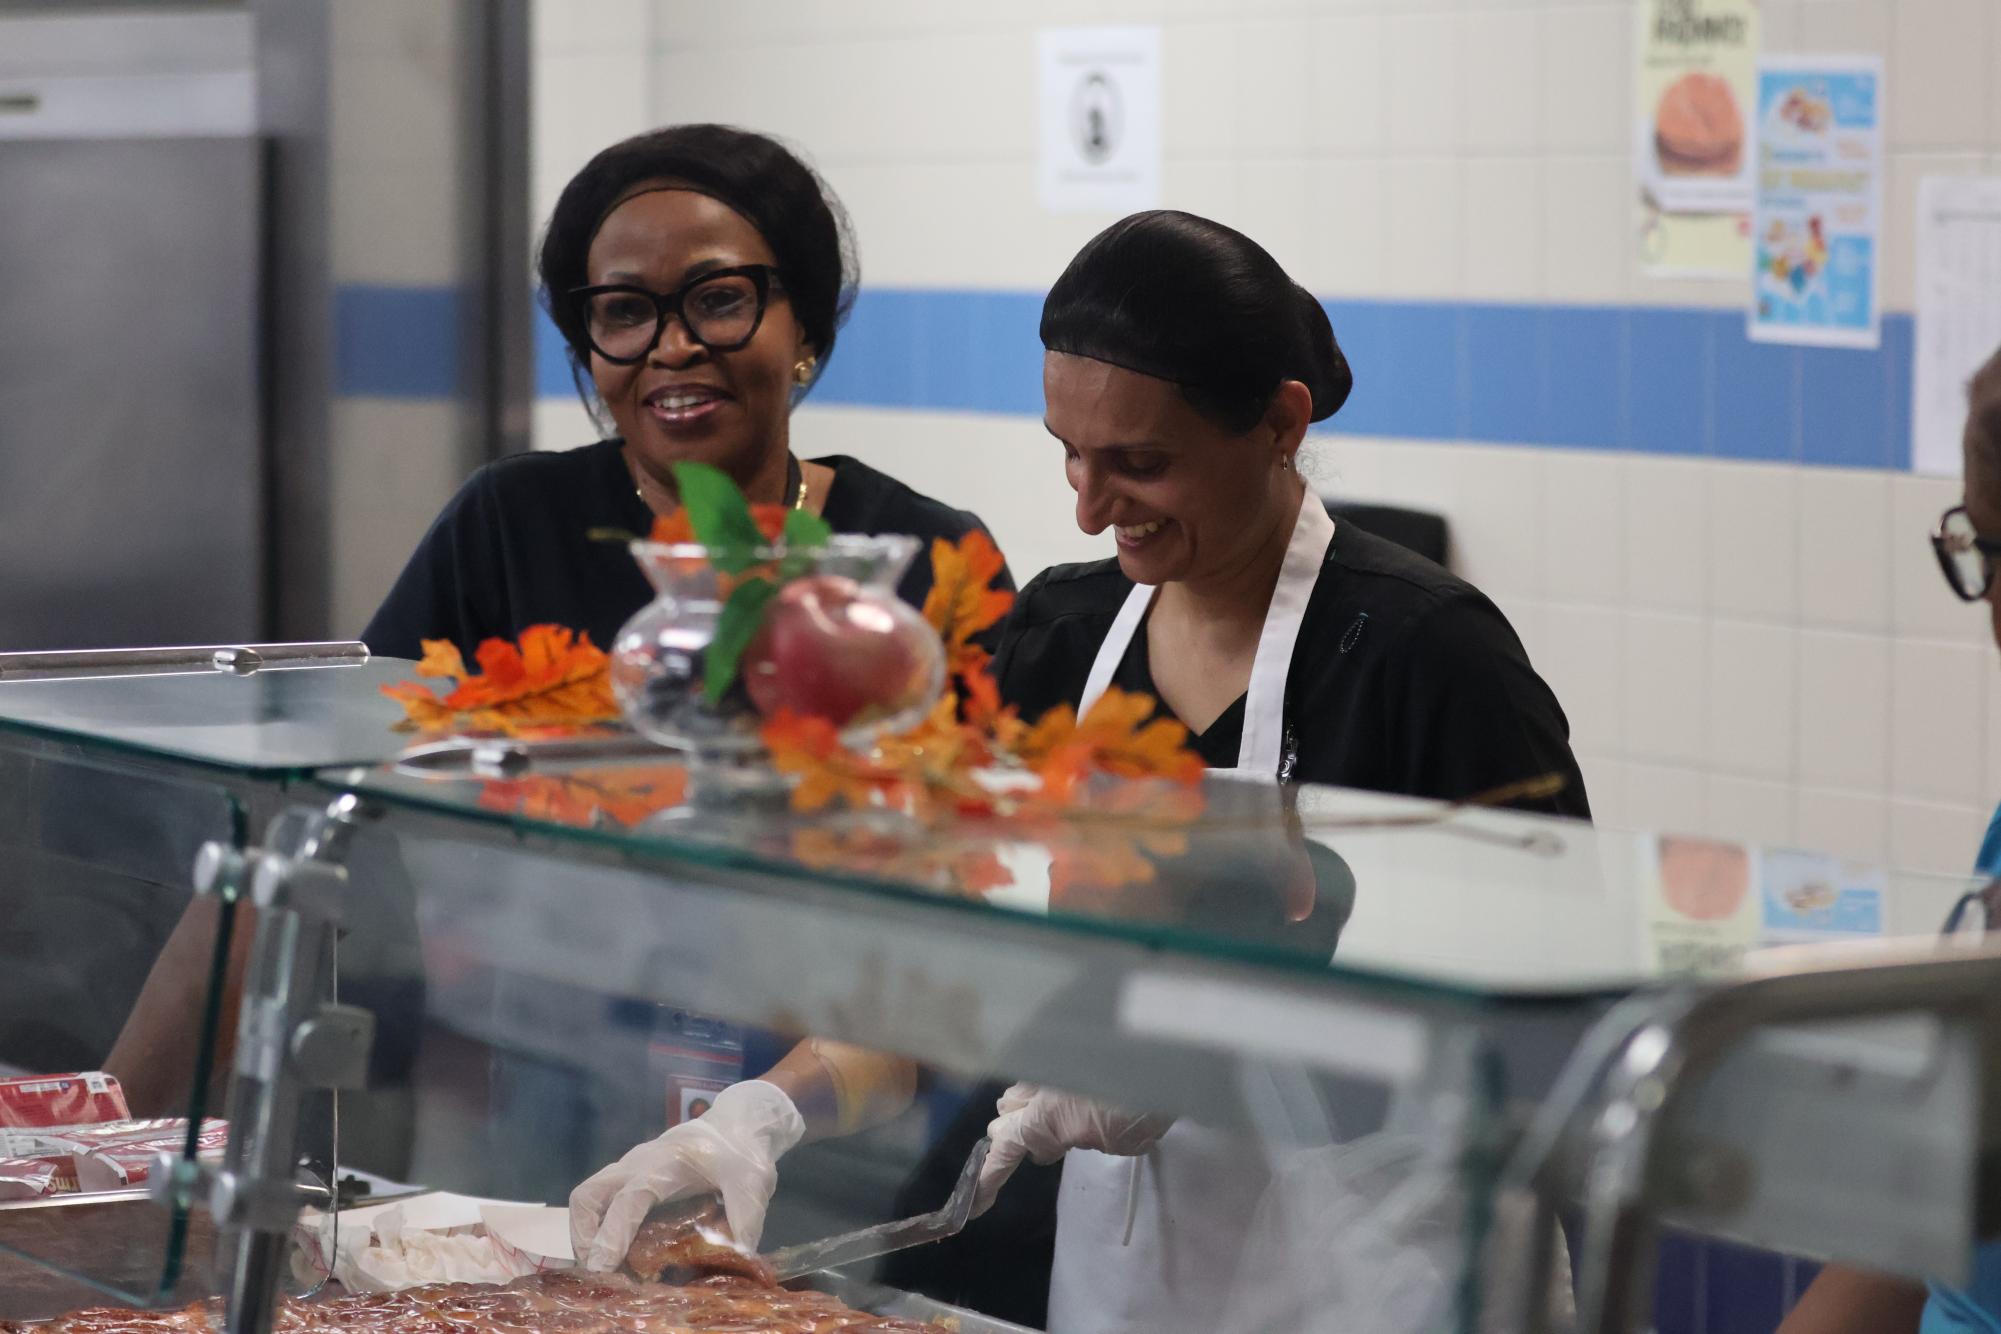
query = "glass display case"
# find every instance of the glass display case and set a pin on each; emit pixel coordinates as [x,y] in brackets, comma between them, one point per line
[1423,1067]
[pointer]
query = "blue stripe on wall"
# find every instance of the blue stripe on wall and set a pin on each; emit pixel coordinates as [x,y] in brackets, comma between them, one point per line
[396,342]
[1648,379]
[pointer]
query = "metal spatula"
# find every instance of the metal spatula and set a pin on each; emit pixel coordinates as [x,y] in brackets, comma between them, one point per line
[883,1238]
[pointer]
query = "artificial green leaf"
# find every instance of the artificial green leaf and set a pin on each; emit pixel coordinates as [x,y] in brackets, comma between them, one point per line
[805,534]
[735,628]
[803,528]
[719,514]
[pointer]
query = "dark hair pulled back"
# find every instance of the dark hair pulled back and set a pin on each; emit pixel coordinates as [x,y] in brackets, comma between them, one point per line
[792,208]
[1185,299]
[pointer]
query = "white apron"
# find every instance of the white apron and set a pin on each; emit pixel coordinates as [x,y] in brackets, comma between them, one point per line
[1150,1244]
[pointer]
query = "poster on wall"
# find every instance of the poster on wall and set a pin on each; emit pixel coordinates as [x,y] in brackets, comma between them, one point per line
[1959,310]
[1815,225]
[1696,78]
[1099,148]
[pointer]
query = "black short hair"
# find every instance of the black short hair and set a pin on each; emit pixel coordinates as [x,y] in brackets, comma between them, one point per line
[1189,300]
[799,217]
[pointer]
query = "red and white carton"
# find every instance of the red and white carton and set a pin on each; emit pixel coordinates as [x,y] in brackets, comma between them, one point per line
[123,1164]
[61,1100]
[32,1178]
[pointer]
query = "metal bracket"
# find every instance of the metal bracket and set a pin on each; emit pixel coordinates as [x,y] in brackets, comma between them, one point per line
[330,1050]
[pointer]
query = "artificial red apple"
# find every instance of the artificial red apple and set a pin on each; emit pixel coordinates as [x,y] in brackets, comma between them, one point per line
[827,651]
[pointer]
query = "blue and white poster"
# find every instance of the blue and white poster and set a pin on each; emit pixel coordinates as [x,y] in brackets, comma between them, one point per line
[1816,225]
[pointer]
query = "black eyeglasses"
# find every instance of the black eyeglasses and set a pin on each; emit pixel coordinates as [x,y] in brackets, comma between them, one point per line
[720,310]
[1966,557]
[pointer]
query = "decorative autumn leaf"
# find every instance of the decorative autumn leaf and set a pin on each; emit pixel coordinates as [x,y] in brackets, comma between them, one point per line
[773,521]
[441,658]
[552,677]
[810,750]
[962,602]
[590,797]
[968,871]
[422,709]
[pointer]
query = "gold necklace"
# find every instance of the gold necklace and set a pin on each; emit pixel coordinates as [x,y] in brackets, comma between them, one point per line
[798,498]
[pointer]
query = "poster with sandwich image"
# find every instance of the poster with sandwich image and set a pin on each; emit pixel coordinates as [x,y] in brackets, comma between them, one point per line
[1695,83]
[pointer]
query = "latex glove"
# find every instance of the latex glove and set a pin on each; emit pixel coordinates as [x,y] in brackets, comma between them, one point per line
[733,1149]
[1043,1124]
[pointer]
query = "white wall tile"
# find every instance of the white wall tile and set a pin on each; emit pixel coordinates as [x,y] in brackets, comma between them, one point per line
[1860,27]
[591,25]
[1939,73]
[1350,466]
[1666,799]
[1273,206]
[905,246]
[1501,229]
[1933,838]
[1900,212]
[391,472]
[1423,68]
[1844,711]
[1605,783]
[1349,99]
[1938,733]
[1667,676]
[1198,73]
[394,224]
[1583,511]
[1921,605]
[1990,791]
[1581,655]
[393,108]
[1667,534]
[1844,551]
[1848,824]
[1500,106]
[1495,534]
[1587,228]
[1425,199]
[1752,716]
[1350,253]
[1748,810]
[1587,102]
[1274,87]
[1994,94]
[561,423]
[1754,541]
[581,103]
[1422,473]
[1207,186]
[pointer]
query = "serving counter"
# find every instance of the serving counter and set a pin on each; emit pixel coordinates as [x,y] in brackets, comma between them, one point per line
[1441,1050]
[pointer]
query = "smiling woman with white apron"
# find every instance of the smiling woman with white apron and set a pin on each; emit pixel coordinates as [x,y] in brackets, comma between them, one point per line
[1183,368]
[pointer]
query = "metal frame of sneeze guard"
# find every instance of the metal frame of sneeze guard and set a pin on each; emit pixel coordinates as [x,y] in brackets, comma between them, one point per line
[288,1041]
[1611,1132]
[238,659]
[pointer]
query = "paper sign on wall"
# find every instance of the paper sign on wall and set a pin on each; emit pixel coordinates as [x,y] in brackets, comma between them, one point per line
[1100,145]
[1696,76]
[1959,310]
[1819,206]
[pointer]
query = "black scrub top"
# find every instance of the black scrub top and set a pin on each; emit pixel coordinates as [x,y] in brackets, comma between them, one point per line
[1404,679]
[513,549]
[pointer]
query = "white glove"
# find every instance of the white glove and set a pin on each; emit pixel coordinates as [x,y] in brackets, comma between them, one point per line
[733,1148]
[1044,1124]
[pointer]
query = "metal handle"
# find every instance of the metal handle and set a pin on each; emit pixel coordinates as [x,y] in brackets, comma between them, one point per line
[241,659]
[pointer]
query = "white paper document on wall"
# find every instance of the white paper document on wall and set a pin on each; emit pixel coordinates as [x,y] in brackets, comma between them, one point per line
[1959,310]
[1100,139]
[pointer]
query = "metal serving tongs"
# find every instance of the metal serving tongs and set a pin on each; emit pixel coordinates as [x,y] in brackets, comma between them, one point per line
[870,1242]
[506,757]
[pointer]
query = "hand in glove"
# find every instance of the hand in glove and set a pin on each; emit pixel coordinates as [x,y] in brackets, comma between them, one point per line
[1044,1124]
[733,1148]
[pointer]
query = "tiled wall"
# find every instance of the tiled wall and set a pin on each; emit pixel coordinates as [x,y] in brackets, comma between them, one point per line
[1758,648]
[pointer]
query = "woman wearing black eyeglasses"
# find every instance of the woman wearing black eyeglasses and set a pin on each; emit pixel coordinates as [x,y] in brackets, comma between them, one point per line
[1968,544]
[699,275]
